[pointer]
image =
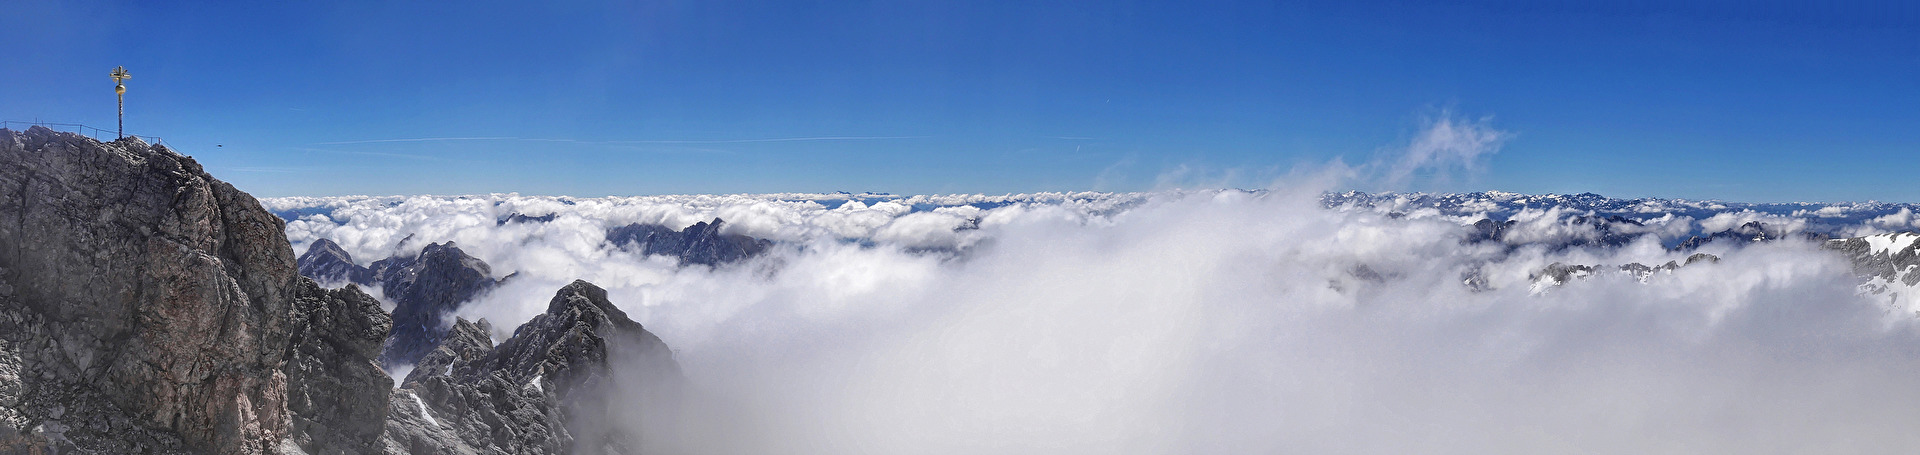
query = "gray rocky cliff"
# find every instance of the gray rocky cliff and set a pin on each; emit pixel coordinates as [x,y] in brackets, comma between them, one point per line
[150,308]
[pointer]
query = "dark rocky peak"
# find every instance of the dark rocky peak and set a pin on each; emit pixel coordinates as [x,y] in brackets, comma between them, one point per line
[146,307]
[702,243]
[326,262]
[1488,230]
[518,217]
[546,389]
[424,289]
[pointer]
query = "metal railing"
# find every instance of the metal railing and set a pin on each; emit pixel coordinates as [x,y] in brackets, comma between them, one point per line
[83,130]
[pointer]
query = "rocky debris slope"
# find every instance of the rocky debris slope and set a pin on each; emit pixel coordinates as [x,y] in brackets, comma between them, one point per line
[702,243]
[547,389]
[150,308]
[424,288]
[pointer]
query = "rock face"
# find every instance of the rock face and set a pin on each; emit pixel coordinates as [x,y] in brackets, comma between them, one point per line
[148,307]
[702,243]
[544,390]
[336,393]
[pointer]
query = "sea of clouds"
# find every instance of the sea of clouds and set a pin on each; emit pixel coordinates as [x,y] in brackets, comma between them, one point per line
[1208,321]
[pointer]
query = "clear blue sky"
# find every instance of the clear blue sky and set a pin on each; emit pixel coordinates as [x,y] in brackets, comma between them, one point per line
[1731,100]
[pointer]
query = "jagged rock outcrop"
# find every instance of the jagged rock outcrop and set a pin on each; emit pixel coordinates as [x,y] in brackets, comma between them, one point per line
[547,389]
[146,307]
[424,289]
[517,217]
[702,243]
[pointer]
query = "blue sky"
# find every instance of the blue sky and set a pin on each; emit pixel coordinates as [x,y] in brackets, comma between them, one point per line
[1731,100]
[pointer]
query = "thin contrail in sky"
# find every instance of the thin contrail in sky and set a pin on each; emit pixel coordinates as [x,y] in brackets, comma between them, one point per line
[418,139]
[385,154]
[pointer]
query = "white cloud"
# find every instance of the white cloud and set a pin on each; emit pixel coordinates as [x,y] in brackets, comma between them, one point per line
[1447,144]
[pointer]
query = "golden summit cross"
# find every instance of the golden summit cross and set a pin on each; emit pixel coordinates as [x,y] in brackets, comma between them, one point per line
[120,92]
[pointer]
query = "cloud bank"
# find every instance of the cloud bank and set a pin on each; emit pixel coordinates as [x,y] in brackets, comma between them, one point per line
[1279,320]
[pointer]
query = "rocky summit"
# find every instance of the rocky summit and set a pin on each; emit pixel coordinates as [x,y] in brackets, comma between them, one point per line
[147,307]
[152,308]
